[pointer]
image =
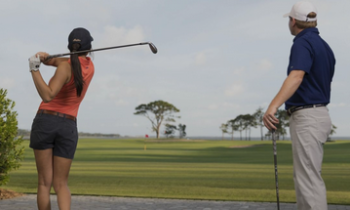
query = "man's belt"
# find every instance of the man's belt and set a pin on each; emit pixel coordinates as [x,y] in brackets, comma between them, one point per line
[297,108]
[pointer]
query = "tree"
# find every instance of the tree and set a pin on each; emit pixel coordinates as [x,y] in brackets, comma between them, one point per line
[259,119]
[248,122]
[182,131]
[10,151]
[234,125]
[283,119]
[333,128]
[169,130]
[162,111]
[239,124]
[268,135]
[224,130]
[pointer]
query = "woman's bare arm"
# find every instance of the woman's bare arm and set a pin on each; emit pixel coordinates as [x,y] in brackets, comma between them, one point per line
[51,62]
[48,92]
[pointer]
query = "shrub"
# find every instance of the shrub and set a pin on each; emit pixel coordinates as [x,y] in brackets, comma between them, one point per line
[10,151]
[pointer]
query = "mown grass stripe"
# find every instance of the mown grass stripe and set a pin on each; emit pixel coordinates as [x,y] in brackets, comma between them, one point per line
[189,170]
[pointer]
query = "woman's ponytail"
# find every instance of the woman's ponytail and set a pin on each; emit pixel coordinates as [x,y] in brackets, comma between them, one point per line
[76,69]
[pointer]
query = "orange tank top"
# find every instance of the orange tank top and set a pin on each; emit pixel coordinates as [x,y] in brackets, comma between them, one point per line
[67,101]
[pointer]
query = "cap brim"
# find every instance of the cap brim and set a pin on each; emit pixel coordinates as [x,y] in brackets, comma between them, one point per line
[286,15]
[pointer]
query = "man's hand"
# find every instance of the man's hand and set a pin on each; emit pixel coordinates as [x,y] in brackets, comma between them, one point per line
[269,118]
[34,63]
[290,85]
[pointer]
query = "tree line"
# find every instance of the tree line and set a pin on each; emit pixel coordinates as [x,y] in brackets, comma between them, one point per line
[244,123]
[159,112]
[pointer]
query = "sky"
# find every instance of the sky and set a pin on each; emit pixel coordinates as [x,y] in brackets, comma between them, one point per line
[216,59]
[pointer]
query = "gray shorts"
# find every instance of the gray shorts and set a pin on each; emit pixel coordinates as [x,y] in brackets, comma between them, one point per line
[58,133]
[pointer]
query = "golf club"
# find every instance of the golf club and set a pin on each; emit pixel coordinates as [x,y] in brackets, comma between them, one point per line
[151,45]
[276,173]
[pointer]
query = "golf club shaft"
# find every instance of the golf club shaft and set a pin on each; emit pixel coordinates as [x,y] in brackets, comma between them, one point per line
[153,48]
[275,161]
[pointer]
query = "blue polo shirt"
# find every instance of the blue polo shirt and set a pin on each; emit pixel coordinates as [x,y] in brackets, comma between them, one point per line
[313,55]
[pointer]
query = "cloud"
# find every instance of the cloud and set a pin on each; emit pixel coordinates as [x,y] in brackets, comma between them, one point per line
[200,59]
[264,65]
[238,71]
[22,55]
[7,83]
[234,90]
[120,35]
[121,102]
[213,106]
[112,88]
[224,105]
[231,105]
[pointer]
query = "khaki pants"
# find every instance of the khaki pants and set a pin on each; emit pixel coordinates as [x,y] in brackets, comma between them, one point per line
[309,130]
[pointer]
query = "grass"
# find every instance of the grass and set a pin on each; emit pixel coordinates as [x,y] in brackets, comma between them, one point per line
[189,170]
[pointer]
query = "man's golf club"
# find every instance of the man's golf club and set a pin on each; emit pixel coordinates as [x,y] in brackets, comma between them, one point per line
[151,45]
[276,173]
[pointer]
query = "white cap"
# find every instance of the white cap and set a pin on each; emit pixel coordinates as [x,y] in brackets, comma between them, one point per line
[300,11]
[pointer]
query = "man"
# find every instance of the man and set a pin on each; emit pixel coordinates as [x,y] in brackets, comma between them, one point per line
[306,92]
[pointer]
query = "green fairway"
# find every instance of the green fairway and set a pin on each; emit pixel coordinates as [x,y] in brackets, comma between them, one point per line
[190,170]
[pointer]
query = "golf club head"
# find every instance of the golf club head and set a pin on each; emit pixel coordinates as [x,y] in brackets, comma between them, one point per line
[153,48]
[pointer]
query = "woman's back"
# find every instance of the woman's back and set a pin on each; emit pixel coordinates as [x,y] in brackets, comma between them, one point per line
[67,101]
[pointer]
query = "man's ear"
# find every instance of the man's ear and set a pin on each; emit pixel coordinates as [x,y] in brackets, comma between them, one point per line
[293,21]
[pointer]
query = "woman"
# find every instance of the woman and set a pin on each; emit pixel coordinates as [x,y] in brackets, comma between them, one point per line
[54,133]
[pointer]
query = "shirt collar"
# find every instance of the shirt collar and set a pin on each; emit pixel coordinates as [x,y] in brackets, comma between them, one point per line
[306,30]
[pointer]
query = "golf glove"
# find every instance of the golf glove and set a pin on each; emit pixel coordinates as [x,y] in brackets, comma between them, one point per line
[34,63]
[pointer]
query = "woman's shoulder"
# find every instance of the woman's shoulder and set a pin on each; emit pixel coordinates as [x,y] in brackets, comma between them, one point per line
[64,66]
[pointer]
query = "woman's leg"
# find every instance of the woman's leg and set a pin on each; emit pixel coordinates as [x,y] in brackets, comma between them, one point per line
[43,159]
[61,167]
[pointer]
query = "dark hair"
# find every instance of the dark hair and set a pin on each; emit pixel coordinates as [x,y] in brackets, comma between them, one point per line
[76,69]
